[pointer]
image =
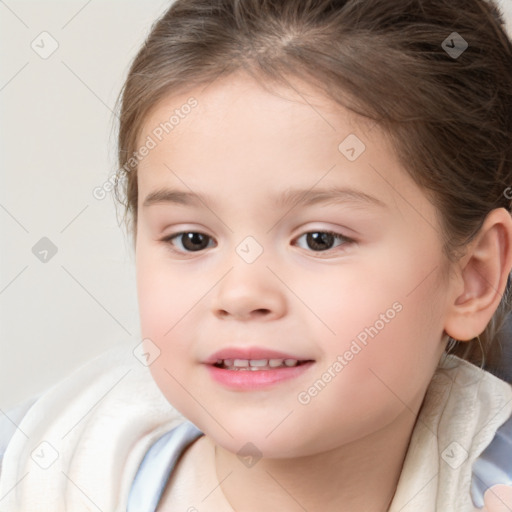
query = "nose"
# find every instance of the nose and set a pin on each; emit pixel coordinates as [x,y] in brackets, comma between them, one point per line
[249,292]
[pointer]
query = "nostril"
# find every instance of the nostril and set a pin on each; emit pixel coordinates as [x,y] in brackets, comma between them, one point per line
[261,311]
[223,313]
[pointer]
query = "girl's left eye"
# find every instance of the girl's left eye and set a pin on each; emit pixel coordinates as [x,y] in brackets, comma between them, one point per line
[191,241]
[318,241]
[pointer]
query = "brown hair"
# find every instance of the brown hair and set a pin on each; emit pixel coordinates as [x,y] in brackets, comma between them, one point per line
[448,116]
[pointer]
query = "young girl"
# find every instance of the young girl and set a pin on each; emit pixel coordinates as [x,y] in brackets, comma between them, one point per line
[319,196]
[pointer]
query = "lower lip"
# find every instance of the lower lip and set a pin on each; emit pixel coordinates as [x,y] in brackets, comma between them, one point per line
[256,379]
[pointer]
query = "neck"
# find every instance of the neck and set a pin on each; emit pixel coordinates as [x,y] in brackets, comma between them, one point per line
[362,475]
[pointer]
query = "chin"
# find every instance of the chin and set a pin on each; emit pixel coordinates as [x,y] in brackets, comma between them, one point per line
[251,438]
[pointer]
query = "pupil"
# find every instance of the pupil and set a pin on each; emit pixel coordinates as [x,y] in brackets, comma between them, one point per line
[319,240]
[192,240]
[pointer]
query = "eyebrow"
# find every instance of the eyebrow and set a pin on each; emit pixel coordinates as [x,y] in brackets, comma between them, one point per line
[288,198]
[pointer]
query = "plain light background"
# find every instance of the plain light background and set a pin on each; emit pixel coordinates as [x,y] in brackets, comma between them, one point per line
[57,144]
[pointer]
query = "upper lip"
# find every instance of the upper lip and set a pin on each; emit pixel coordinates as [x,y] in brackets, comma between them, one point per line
[251,353]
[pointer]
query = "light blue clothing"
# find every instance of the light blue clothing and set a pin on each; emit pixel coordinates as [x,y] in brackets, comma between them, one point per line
[494,466]
[156,467]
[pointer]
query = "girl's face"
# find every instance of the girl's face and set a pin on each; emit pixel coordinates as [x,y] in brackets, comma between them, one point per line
[234,254]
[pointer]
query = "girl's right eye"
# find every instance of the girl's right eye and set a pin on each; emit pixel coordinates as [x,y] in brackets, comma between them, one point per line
[190,241]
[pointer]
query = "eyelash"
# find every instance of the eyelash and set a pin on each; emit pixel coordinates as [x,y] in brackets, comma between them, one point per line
[345,240]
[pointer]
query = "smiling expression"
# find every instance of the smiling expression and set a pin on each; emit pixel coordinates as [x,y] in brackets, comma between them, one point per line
[271,228]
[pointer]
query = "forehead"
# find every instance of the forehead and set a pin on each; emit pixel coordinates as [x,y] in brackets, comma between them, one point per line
[239,104]
[242,140]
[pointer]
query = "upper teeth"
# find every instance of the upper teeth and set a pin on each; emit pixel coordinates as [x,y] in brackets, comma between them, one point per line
[256,363]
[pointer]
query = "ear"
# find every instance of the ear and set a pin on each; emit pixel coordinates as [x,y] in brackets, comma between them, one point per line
[481,277]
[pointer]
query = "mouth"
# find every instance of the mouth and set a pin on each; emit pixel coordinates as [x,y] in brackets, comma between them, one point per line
[252,365]
[253,368]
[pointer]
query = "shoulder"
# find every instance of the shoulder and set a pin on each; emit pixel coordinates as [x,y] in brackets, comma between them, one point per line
[474,396]
[481,406]
[81,377]
[90,428]
[462,411]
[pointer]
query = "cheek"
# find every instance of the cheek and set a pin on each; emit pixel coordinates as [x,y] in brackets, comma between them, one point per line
[166,293]
[387,320]
[169,301]
[365,385]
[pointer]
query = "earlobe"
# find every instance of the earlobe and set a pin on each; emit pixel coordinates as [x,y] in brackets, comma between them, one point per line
[482,276]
